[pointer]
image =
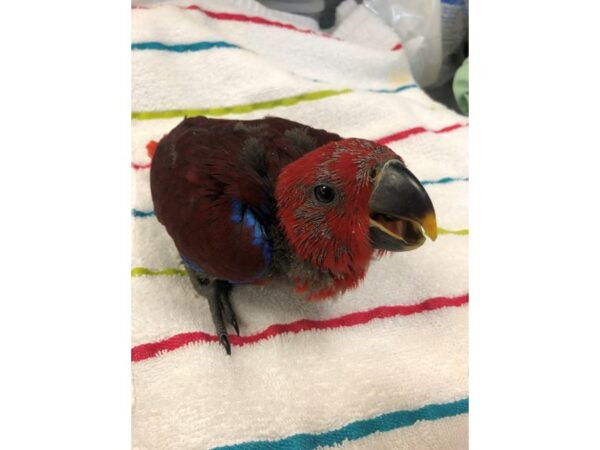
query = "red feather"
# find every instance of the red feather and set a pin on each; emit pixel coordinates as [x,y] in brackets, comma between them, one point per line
[331,237]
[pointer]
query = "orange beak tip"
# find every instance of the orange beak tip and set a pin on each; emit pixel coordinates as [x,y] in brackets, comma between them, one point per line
[430,226]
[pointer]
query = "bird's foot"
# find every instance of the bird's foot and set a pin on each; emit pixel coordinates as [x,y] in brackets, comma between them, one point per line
[219,304]
[222,312]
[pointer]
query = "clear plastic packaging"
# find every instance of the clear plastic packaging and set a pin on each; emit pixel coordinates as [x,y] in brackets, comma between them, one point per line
[432,33]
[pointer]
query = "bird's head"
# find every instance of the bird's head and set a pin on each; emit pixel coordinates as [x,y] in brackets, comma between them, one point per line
[343,201]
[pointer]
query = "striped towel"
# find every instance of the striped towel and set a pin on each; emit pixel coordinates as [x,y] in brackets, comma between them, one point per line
[382,367]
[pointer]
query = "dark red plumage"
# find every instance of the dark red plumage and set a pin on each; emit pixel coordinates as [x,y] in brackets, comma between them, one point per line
[202,165]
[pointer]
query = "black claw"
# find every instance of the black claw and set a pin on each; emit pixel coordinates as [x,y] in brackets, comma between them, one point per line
[224,288]
[235,325]
[225,343]
[219,305]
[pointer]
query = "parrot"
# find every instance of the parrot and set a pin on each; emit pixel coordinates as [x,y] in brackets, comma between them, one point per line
[273,201]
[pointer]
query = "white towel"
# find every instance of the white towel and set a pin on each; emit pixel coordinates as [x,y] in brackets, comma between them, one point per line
[382,367]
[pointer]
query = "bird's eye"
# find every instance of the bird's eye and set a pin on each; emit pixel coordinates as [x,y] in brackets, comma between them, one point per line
[324,193]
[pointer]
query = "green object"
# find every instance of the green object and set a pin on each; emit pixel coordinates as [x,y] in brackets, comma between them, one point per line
[460,86]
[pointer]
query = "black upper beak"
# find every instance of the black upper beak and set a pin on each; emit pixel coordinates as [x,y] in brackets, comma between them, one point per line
[400,207]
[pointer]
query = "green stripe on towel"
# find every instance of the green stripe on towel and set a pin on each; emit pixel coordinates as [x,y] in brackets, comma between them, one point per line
[237,109]
[140,271]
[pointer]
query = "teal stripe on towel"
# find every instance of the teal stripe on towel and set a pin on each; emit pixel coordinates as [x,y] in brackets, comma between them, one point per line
[445,180]
[180,48]
[358,429]
[393,91]
[139,213]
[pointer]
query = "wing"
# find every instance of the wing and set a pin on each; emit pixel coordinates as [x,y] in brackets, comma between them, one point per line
[212,186]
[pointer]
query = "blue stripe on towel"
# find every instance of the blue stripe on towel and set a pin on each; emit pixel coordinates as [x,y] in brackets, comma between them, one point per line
[393,91]
[180,48]
[358,429]
[139,213]
[445,180]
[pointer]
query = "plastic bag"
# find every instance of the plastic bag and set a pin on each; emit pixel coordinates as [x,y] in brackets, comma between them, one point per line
[432,32]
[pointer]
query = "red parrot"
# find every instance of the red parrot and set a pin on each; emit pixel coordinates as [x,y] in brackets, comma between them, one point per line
[276,201]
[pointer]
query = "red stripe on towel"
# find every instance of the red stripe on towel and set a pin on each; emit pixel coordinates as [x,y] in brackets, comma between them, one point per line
[252,19]
[417,130]
[152,349]
[138,166]
[151,150]
[456,126]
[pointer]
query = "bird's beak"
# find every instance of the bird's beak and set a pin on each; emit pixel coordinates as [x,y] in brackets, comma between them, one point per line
[400,210]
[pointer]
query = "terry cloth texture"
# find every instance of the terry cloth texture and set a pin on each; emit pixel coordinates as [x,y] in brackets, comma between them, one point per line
[382,367]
